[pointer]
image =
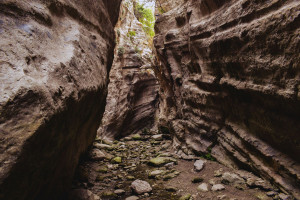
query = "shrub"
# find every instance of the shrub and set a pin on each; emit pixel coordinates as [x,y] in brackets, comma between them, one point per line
[146,17]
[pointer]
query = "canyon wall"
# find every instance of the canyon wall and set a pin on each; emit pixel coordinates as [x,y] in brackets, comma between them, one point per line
[54,62]
[133,88]
[229,75]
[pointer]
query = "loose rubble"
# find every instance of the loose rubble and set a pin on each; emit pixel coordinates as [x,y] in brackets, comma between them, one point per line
[145,166]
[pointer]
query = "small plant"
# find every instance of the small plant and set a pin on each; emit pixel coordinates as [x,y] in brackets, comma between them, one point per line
[131,34]
[121,51]
[146,17]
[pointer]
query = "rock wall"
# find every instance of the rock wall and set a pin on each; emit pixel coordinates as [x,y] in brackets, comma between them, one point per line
[133,88]
[54,61]
[229,75]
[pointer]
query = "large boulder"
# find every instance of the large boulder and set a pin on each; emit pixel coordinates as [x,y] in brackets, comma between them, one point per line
[54,62]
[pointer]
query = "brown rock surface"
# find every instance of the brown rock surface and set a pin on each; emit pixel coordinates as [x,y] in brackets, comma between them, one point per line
[229,76]
[54,61]
[133,88]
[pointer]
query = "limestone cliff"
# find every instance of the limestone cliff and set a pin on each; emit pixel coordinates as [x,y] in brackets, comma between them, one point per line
[54,61]
[229,75]
[133,88]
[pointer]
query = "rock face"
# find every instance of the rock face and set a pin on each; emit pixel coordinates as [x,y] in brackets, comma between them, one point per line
[229,76]
[133,87]
[54,62]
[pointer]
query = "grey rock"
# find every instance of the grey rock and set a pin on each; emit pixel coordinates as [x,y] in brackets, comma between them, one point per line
[158,137]
[119,192]
[284,197]
[96,154]
[218,187]
[141,187]
[203,187]
[199,165]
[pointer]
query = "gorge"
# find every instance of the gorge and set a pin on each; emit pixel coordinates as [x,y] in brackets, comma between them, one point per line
[91,101]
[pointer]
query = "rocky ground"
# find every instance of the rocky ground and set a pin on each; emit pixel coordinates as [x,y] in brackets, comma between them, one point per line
[145,166]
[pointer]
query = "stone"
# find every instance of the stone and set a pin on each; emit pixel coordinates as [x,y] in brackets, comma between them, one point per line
[218,172]
[141,187]
[213,181]
[171,189]
[261,196]
[171,174]
[199,165]
[102,169]
[160,161]
[103,146]
[283,196]
[186,197]
[234,179]
[130,178]
[155,173]
[158,137]
[136,137]
[132,198]
[217,187]
[271,193]
[203,187]
[96,154]
[170,165]
[117,160]
[108,195]
[119,192]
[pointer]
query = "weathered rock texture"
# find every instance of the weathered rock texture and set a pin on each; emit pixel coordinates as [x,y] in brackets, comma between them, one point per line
[229,75]
[54,61]
[133,88]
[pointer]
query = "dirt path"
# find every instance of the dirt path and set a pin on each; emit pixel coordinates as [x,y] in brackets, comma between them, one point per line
[110,170]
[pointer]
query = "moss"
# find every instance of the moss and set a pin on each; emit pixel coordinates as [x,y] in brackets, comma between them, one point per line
[117,160]
[186,197]
[102,169]
[136,137]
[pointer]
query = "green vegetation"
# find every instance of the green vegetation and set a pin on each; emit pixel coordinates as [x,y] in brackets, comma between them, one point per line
[131,34]
[146,17]
[121,51]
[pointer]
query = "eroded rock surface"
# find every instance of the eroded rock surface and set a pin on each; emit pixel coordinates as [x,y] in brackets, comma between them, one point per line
[133,88]
[229,76]
[54,62]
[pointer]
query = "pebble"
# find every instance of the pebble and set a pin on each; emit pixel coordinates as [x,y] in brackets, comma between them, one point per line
[284,196]
[96,154]
[119,192]
[218,172]
[132,198]
[203,187]
[158,137]
[141,187]
[218,187]
[199,165]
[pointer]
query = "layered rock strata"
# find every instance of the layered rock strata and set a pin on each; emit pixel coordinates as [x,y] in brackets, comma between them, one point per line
[133,88]
[229,76]
[55,57]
